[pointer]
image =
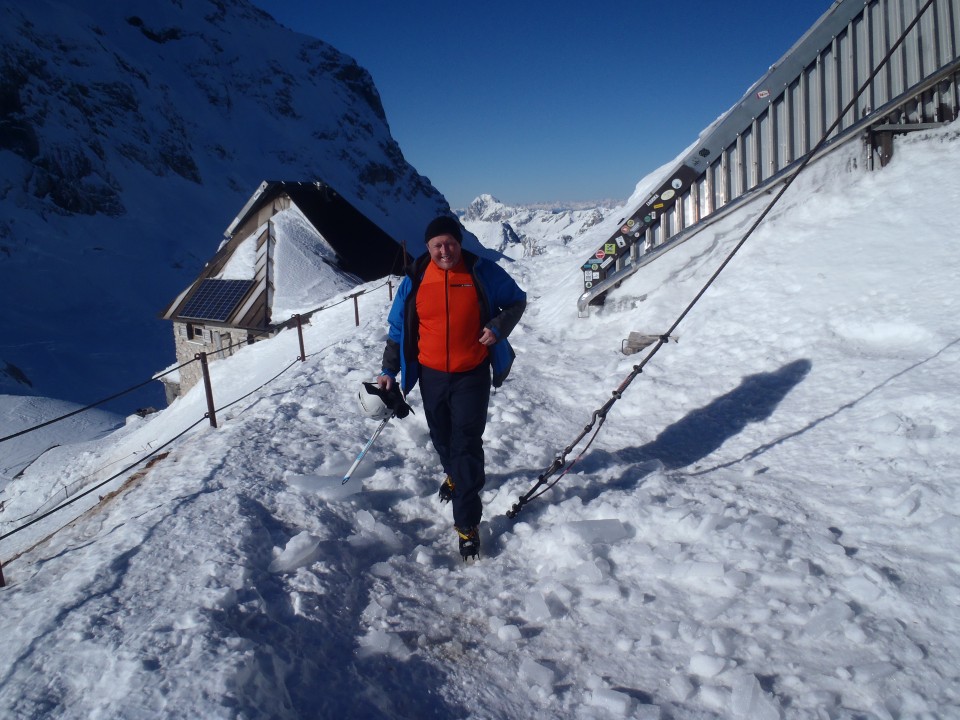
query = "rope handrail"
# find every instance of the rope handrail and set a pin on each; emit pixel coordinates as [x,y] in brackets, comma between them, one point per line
[99,485]
[257,389]
[141,460]
[94,404]
[309,313]
[158,376]
[74,498]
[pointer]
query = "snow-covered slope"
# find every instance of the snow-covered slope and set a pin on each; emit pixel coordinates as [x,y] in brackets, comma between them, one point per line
[765,526]
[131,134]
[21,412]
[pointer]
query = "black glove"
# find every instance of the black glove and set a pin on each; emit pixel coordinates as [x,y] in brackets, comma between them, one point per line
[392,398]
[395,401]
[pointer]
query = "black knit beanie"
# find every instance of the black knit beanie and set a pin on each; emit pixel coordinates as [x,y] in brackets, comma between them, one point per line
[443,225]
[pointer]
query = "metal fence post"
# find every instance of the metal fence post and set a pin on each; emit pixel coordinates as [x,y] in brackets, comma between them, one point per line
[356,309]
[303,353]
[3,583]
[390,287]
[211,413]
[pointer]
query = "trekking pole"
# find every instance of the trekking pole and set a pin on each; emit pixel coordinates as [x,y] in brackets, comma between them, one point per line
[376,434]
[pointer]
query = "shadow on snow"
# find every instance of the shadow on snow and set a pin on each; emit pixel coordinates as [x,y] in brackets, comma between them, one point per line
[691,439]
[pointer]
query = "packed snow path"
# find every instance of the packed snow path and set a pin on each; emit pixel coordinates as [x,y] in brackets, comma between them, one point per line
[766,526]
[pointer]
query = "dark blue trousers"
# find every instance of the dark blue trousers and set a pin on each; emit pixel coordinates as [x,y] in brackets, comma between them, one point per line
[455,405]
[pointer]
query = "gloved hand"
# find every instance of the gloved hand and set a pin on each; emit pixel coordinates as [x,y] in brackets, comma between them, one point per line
[394,400]
[391,397]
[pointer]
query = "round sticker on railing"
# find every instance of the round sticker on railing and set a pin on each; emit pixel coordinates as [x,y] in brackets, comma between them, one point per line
[668,195]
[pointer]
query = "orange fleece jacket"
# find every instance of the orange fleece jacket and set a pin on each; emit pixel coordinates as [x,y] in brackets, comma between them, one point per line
[449,310]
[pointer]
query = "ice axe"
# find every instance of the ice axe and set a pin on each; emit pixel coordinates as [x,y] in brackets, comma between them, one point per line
[381,405]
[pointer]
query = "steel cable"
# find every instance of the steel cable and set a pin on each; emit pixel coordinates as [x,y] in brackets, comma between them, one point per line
[541,486]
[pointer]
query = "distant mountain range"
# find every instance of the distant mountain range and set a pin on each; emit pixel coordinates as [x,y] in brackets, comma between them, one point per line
[527,230]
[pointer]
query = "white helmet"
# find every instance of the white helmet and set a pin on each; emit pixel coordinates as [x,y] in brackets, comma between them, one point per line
[371,402]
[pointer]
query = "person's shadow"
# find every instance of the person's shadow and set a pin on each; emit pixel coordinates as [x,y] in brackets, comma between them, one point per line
[696,435]
[706,429]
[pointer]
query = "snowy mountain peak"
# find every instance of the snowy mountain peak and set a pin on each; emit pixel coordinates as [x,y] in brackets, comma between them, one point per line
[485,207]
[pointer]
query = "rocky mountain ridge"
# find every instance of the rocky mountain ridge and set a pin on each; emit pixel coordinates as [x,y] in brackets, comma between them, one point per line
[131,134]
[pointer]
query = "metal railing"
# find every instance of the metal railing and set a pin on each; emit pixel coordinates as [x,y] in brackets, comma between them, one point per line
[764,137]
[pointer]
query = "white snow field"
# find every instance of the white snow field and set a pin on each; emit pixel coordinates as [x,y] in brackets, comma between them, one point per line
[765,527]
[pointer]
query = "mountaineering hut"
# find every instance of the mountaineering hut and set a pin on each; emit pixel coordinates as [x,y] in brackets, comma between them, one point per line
[293,245]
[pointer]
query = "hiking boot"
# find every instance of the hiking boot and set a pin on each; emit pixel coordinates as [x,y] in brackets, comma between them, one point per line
[446,489]
[469,542]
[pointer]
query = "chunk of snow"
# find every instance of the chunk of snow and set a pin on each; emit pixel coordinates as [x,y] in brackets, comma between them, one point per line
[646,712]
[736,578]
[509,633]
[708,524]
[667,629]
[763,539]
[535,607]
[589,573]
[606,591]
[381,570]
[829,617]
[613,701]
[681,687]
[366,521]
[707,666]
[380,642]
[781,580]
[536,674]
[300,551]
[748,701]
[714,697]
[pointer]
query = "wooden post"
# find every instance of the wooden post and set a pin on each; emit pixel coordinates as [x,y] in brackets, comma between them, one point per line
[211,413]
[303,353]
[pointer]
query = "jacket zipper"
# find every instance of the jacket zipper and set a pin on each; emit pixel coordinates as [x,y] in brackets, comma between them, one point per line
[446,295]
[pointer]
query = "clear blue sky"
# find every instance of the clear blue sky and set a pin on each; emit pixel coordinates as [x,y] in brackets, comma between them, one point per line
[552,101]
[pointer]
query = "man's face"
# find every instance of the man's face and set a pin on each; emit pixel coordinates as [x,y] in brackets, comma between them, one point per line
[444,251]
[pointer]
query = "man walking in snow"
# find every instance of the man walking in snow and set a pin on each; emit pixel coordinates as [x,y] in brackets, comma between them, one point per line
[448,329]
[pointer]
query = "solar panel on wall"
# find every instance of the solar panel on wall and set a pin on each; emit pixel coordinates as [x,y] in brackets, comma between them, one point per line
[215,299]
